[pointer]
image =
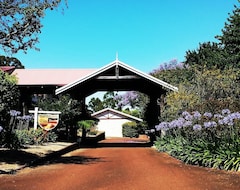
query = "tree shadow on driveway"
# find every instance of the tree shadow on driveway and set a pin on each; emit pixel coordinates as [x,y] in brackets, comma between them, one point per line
[25,159]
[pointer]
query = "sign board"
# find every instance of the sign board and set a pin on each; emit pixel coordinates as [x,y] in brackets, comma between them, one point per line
[48,121]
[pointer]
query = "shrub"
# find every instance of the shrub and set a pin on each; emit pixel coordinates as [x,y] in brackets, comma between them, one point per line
[129,129]
[30,137]
[87,124]
[9,140]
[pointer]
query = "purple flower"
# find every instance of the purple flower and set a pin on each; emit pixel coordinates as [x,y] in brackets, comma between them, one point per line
[185,113]
[27,117]
[197,127]
[197,115]
[162,126]
[221,122]
[218,116]
[210,124]
[1,128]
[177,123]
[187,116]
[229,119]
[225,121]
[127,98]
[14,113]
[207,114]
[226,111]
[187,123]
[235,115]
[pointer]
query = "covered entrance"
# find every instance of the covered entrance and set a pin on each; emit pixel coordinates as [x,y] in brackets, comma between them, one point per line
[80,83]
[118,76]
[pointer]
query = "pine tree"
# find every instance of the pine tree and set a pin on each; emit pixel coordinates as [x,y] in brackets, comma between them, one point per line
[230,38]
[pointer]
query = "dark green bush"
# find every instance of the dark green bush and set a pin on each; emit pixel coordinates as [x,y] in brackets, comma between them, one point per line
[130,129]
[9,140]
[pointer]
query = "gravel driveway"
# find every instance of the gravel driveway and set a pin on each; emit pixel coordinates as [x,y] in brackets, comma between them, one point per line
[119,168]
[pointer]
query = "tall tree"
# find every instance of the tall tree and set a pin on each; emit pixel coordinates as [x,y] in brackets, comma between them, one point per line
[20,23]
[207,56]
[230,38]
[95,104]
[110,100]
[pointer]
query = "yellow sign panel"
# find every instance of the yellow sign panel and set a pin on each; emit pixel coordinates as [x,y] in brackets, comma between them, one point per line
[48,121]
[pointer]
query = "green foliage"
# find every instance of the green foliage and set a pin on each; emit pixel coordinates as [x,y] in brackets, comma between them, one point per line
[207,56]
[9,139]
[70,109]
[201,152]
[175,102]
[209,83]
[210,139]
[135,112]
[10,61]
[21,23]
[109,100]
[175,74]
[230,38]
[87,127]
[222,55]
[9,94]
[210,90]
[31,137]
[95,104]
[142,127]
[87,124]
[129,129]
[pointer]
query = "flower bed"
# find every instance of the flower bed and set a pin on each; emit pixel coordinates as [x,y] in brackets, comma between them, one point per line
[207,139]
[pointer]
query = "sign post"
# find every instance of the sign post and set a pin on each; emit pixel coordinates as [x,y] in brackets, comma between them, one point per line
[47,120]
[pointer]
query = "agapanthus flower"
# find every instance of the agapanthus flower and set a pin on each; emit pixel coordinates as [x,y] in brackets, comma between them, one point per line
[27,117]
[229,119]
[162,126]
[187,116]
[177,123]
[218,116]
[14,113]
[210,124]
[235,115]
[187,123]
[226,111]
[197,115]
[207,114]
[197,127]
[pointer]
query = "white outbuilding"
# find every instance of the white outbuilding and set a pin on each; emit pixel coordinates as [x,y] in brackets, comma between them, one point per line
[111,121]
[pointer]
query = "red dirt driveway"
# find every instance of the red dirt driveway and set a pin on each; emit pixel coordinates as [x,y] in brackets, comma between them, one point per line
[119,168]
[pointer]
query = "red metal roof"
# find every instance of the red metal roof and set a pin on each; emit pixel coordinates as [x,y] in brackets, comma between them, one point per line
[50,76]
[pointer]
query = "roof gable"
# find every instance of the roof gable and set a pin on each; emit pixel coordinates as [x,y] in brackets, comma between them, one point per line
[121,71]
[109,113]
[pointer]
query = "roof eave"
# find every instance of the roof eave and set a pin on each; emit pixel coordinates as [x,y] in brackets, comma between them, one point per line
[118,112]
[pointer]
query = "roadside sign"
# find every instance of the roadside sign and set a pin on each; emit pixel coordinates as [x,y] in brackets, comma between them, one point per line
[48,121]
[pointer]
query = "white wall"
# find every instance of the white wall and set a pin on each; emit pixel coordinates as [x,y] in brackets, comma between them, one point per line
[112,127]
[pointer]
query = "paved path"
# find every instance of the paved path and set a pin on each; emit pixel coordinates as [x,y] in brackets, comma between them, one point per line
[119,169]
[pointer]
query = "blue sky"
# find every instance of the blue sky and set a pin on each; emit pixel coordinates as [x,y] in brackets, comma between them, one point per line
[145,33]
